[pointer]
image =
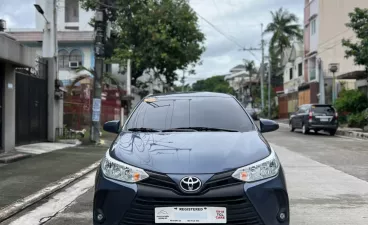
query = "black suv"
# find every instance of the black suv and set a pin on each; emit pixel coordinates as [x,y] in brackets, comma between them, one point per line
[315,117]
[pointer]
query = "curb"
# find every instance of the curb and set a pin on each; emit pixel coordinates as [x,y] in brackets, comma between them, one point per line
[14,157]
[21,204]
[352,134]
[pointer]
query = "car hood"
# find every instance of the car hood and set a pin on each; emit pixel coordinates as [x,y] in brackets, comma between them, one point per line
[189,152]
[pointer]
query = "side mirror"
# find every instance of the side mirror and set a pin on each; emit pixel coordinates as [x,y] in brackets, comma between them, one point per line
[112,126]
[268,125]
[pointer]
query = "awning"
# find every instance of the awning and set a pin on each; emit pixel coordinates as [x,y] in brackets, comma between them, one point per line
[357,75]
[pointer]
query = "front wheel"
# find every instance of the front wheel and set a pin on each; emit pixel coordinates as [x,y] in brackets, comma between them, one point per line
[332,132]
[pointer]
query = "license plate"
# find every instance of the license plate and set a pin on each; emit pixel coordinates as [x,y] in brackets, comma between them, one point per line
[200,215]
[324,120]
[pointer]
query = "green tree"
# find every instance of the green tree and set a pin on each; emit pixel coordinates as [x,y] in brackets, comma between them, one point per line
[251,69]
[162,36]
[284,29]
[213,84]
[359,50]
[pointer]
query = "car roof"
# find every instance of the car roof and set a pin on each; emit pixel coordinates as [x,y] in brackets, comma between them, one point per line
[189,94]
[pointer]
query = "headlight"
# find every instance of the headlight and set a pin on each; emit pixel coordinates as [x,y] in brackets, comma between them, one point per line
[117,170]
[260,170]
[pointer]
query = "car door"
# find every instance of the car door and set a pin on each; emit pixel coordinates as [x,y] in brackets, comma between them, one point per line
[300,116]
[293,117]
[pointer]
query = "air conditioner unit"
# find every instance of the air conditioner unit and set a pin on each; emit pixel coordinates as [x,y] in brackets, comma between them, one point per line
[74,64]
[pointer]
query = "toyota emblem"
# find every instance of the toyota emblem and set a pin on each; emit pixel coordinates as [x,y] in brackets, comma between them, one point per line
[190,184]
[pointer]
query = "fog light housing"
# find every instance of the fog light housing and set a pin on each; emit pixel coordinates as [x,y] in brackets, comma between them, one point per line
[99,216]
[282,216]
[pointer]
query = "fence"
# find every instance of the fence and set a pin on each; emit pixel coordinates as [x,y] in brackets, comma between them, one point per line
[78,106]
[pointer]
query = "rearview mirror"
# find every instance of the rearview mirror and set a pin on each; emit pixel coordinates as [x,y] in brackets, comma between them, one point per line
[268,125]
[112,126]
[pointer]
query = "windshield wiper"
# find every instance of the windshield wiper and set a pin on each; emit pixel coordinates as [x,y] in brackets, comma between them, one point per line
[203,129]
[143,129]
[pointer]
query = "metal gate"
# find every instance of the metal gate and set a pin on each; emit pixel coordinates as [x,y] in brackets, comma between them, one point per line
[31,104]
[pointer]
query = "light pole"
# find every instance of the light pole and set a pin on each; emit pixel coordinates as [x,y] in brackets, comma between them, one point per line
[333,68]
[49,50]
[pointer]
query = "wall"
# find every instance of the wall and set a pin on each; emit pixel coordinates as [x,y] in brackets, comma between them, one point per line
[314,12]
[88,58]
[84,17]
[15,52]
[333,17]
[8,107]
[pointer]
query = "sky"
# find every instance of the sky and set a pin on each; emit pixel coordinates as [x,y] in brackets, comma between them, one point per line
[239,20]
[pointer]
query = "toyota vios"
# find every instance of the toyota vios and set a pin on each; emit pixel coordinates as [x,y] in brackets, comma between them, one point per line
[191,158]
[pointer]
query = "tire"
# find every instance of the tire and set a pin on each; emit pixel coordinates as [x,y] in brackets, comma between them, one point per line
[305,130]
[332,132]
[291,127]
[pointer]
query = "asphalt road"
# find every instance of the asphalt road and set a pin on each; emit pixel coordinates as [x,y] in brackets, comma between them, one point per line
[327,181]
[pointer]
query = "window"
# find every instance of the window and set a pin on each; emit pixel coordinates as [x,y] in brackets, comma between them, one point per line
[71,11]
[63,58]
[76,56]
[313,27]
[290,73]
[323,110]
[212,112]
[300,69]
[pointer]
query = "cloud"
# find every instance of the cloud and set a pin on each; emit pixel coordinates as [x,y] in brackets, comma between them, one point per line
[18,13]
[239,19]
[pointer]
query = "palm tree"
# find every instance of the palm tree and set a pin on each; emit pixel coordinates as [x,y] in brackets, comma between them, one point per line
[284,28]
[250,68]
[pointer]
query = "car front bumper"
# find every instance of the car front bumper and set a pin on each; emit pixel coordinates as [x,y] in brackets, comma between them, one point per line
[258,203]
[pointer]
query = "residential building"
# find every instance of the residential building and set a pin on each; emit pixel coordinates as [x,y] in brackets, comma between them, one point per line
[324,29]
[70,16]
[75,48]
[292,62]
[240,81]
[24,105]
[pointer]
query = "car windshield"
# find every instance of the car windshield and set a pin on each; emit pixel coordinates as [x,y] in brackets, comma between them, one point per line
[210,112]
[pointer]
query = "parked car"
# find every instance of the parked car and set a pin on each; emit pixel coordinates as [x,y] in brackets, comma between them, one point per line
[315,117]
[252,112]
[190,158]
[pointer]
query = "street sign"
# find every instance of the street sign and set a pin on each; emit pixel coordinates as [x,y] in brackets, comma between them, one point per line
[96,107]
[95,116]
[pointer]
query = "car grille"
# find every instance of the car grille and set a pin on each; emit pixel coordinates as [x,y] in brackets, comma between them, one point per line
[219,180]
[239,209]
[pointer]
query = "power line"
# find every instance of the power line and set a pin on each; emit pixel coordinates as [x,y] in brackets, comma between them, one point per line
[218,30]
[227,37]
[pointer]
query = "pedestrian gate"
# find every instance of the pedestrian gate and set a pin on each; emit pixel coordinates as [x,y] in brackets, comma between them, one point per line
[31,104]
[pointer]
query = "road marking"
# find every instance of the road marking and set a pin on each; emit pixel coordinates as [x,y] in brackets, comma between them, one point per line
[320,194]
[57,203]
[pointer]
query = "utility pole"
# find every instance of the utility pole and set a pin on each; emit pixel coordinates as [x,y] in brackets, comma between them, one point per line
[269,90]
[183,82]
[100,28]
[262,63]
[262,66]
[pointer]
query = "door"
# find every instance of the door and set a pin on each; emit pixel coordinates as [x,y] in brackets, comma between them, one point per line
[323,114]
[31,109]
[300,115]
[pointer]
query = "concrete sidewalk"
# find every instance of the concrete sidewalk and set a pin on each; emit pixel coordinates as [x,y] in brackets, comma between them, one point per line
[349,132]
[23,178]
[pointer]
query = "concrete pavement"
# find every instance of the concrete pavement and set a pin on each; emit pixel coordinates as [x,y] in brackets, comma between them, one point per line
[323,188]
